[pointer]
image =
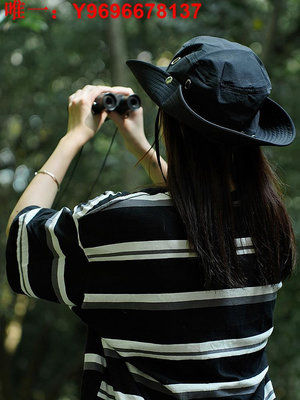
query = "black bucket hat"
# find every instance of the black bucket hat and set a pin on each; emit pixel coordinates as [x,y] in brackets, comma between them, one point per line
[219,88]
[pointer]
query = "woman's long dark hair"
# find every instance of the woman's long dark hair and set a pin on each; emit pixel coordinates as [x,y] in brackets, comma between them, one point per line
[201,175]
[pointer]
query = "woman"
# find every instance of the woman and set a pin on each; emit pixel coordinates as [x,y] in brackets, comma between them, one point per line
[176,284]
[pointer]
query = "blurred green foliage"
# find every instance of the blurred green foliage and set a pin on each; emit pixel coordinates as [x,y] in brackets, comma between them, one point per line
[44,60]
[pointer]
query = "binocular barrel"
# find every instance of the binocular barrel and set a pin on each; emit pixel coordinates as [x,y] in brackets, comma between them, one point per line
[116,102]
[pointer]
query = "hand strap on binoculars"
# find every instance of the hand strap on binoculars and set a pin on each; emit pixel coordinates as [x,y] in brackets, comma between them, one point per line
[65,187]
[102,166]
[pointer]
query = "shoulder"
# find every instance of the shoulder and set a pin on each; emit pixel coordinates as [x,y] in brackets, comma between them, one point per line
[124,217]
[110,200]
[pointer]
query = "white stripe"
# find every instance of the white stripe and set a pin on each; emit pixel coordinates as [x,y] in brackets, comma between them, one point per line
[245,251]
[19,258]
[154,197]
[95,358]
[142,246]
[23,251]
[150,245]
[243,242]
[150,249]
[136,371]
[116,395]
[238,242]
[76,222]
[203,387]
[103,396]
[108,389]
[123,396]
[195,351]
[148,256]
[209,356]
[81,210]
[268,390]
[61,260]
[181,296]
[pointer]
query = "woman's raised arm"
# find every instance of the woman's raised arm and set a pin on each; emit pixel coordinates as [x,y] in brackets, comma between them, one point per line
[82,126]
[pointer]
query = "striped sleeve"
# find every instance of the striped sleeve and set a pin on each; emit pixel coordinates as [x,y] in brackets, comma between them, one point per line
[43,257]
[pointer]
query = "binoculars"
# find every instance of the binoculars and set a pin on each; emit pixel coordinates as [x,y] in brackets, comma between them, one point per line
[116,102]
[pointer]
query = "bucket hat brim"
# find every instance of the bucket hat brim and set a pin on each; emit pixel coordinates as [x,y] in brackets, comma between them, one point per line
[274,127]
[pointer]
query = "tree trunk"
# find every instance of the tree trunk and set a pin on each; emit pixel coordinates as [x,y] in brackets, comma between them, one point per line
[119,77]
[272,33]
[118,52]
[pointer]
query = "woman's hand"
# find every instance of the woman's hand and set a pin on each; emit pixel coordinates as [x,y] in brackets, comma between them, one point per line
[82,126]
[82,122]
[131,126]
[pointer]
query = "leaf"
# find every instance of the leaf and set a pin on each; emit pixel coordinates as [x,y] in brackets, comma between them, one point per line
[34,22]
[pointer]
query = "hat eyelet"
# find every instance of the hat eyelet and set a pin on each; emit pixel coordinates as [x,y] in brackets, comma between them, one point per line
[169,79]
[187,83]
[175,60]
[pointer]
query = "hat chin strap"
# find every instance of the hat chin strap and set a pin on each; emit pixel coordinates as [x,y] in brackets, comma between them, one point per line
[157,145]
[251,130]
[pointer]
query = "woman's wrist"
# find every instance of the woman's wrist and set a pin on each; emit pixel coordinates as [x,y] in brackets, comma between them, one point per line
[43,188]
[147,158]
[74,139]
[138,148]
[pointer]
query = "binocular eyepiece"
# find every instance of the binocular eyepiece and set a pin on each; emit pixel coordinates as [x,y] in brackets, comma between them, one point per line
[116,102]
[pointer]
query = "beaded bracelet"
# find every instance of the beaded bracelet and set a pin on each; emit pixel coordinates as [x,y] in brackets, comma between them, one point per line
[44,171]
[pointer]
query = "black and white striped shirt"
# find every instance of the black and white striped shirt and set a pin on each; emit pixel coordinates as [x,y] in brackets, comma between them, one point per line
[122,263]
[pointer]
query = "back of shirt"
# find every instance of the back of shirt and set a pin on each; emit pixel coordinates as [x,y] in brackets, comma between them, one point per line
[122,261]
[155,332]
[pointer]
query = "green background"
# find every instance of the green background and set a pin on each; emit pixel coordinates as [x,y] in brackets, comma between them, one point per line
[45,60]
